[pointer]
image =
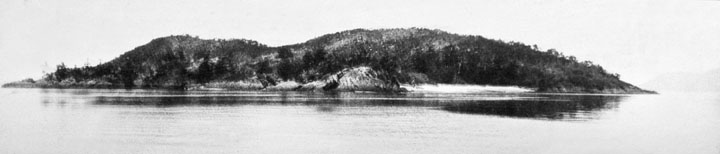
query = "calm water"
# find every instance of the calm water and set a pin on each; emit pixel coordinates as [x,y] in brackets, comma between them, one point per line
[155,121]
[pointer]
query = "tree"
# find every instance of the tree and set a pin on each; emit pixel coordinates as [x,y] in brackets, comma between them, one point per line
[284,53]
[313,58]
[205,71]
[287,70]
[263,67]
[61,73]
[127,74]
[223,66]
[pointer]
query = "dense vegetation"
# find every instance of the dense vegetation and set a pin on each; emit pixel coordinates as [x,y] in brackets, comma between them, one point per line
[409,55]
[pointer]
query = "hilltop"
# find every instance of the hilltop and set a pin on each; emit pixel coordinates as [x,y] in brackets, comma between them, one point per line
[359,59]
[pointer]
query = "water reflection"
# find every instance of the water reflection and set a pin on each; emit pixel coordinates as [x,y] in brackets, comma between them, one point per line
[156,121]
[534,106]
[553,108]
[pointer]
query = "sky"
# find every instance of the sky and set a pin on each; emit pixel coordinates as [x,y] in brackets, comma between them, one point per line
[638,39]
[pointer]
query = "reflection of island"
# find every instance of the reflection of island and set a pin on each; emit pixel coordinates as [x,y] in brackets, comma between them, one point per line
[258,98]
[517,105]
[555,108]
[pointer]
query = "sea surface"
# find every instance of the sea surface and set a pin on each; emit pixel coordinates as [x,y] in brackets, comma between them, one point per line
[74,121]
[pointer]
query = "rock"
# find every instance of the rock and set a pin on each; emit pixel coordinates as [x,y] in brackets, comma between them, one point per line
[313,86]
[284,86]
[361,78]
[236,85]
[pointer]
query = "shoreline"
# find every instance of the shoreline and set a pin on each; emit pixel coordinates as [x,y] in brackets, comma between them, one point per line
[314,87]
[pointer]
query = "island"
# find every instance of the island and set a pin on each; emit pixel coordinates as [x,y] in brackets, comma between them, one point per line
[353,60]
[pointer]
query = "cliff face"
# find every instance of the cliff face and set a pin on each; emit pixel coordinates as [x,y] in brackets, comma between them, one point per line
[360,59]
[361,79]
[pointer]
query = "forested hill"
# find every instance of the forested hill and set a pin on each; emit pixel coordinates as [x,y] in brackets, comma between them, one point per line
[423,55]
[411,56]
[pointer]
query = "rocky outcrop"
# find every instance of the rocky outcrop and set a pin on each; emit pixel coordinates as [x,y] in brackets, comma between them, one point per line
[284,86]
[361,78]
[235,85]
[313,86]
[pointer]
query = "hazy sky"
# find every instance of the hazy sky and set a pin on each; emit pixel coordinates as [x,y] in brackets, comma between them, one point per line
[637,39]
